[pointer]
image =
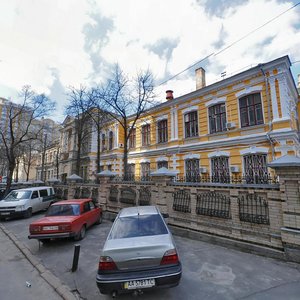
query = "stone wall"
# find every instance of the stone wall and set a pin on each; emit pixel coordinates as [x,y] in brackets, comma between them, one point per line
[260,218]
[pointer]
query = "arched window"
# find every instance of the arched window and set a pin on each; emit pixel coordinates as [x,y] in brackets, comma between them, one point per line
[251,110]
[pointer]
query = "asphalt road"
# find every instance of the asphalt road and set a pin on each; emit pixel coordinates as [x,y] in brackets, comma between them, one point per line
[209,271]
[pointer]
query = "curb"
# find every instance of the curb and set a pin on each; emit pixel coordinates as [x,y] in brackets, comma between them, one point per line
[61,289]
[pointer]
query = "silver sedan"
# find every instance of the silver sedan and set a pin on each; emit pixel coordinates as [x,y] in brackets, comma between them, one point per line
[139,253]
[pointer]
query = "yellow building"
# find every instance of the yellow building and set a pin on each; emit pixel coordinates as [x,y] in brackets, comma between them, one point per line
[231,128]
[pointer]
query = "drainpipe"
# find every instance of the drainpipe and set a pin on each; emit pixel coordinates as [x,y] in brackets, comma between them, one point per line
[269,111]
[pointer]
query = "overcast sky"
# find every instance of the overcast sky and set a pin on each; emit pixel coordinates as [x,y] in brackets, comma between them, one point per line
[54,44]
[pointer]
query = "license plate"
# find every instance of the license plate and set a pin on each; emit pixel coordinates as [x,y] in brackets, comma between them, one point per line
[139,284]
[5,214]
[50,228]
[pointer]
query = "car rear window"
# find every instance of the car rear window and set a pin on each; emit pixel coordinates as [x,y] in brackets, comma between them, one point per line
[64,210]
[135,226]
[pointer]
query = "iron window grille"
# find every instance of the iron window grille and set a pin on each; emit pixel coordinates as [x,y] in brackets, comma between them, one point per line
[191,124]
[182,201]
[113,194]
[253,209]
[255,169]
[162,131]
[162,164]
[146,135]
[251,110]
[145,171]
[128,196]
[220,169]
[144,196]
[132,138]
[213,204]
[192,171]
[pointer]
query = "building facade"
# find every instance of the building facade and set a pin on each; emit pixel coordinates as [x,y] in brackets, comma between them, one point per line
[232,128]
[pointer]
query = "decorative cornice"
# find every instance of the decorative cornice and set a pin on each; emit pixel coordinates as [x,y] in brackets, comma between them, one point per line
[215,101]
[254,150]
[249,90]
[218,153]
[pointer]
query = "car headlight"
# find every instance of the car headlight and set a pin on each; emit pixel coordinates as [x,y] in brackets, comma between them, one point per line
[20,207]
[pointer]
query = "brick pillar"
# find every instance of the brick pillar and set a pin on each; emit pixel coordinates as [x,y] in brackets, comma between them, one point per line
[288,170]
[161,178]
[105,184]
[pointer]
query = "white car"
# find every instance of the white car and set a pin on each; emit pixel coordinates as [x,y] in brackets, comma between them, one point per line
[139,253]
[24,202]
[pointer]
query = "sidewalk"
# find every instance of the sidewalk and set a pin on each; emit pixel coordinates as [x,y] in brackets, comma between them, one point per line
[23,277]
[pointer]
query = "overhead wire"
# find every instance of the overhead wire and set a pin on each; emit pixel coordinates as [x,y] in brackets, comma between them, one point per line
[230,45]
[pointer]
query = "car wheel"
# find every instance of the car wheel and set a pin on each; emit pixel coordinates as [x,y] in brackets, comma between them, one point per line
[81,234]
[45,241]
[28,213]
[99,221]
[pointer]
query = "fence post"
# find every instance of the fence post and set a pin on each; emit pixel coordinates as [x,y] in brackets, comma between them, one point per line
[161,177]
[104,177]
[288,169]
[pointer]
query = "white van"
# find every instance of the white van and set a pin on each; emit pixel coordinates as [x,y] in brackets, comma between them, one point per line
[24,202]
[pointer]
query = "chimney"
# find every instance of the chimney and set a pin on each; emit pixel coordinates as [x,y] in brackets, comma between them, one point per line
[200,78]
[169,95]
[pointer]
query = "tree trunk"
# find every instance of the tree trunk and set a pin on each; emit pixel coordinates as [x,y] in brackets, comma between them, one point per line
[125,157]
[11,168]
[77,167]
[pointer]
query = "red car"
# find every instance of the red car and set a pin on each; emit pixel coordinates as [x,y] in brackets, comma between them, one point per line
[69,218]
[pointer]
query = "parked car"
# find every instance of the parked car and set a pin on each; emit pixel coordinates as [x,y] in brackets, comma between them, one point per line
[24,202]
[67,218]
[139,253]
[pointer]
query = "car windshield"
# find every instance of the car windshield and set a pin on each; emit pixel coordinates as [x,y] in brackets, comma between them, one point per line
[64,210]
[17,195]
[135,226]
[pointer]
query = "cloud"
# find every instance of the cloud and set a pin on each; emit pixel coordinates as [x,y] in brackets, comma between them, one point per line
[81,40]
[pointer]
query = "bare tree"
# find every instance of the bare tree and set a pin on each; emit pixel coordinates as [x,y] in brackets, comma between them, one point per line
[126,100]
[99,116]
[29,156]
[79,105]
[20,126]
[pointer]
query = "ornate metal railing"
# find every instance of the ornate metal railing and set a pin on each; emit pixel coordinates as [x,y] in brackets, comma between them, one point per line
[128,195]
[77,193]
[59,193]
[85,193]
[144,196]
[131,179]
[253,209]
[235,179]
[95,194]
[113,194]
[182,201]
[213,204]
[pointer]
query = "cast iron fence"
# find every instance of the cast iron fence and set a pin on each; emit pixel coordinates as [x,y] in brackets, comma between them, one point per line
[253,209]
[213,204]
[182,201]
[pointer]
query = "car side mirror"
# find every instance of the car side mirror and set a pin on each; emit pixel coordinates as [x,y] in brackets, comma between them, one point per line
[165,215]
